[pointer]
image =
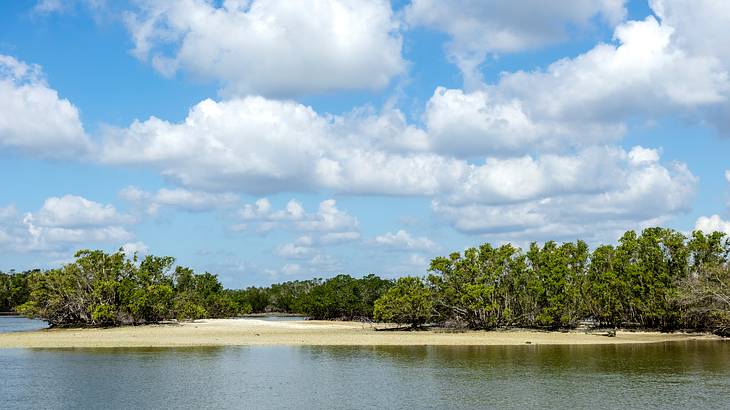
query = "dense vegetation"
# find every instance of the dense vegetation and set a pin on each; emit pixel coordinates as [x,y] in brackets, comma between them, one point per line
[101,289]
[658,279]
[13,290]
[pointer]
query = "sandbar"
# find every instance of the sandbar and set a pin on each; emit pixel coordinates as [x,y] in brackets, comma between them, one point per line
[246,332]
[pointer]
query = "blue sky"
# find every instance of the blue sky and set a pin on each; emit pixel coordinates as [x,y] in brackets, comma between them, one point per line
[269,140]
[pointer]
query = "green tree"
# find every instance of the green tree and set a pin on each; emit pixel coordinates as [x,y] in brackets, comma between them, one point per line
[409,301]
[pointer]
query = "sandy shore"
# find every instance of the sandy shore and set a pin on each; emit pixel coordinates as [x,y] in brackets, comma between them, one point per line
[241,332]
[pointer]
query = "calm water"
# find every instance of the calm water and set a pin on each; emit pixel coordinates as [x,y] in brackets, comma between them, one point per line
[673,375]
[20,324]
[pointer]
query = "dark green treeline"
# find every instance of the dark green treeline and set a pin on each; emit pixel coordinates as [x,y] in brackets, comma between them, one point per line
[658,279]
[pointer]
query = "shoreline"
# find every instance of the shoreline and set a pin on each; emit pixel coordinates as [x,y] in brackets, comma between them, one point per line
[255,332]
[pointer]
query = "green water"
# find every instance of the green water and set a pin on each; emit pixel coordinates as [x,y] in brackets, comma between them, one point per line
[671,375]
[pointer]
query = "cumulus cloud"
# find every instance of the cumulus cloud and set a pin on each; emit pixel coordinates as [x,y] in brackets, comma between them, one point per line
[649,72]
[73,211]
[629,191]
[62,223]
[645,73]
[479,27]
[258,145]
[480,123]
[135,248]
[274,48]
[177,198]
[33,118]
[328,226]
[712,224]
[528,154]
[694,22]
[329,221]
[402,240]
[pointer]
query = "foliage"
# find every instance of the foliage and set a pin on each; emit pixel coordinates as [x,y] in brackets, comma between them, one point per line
[409,301]
[14,290]
[101,289]
[342,297]
[657,279]
[704,300]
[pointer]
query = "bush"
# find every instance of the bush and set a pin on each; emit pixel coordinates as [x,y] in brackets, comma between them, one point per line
[408,302]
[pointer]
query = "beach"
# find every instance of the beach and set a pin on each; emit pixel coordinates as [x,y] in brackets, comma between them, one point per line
[250,332]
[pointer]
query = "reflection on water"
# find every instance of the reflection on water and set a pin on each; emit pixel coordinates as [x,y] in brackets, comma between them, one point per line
[671,375]
[20,324]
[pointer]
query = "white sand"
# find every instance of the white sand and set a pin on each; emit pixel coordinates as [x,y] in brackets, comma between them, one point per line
[241,332]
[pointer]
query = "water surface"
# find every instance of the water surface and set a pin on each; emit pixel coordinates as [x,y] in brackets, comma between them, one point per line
[668,375]
[20,324]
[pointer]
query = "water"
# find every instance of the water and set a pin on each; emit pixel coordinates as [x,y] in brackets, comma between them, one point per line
[668,375]
[672,375]
[20,324]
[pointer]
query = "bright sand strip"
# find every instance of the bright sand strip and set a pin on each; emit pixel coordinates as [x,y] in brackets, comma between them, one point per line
[242,332]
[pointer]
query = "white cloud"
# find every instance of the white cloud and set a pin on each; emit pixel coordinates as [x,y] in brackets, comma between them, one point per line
[479,27]
[138,248]
[727,175]
[33,118]
[712,224]
[646,73]
[317,265]
[250,144]
[402,240]
[482,123]
[63,223]
[585,100]
[73,211]
[329,221]
[294,251]
[626,193]
[178,198]
[328,226]
[258,145]
[307,246]
[255,144]
[273,47]
[695,22]
[531,152]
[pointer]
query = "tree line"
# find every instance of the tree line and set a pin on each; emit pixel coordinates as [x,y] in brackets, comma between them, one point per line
[656,279]
[102,289]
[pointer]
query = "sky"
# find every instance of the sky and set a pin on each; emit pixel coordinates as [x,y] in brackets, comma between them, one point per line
[271,140]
